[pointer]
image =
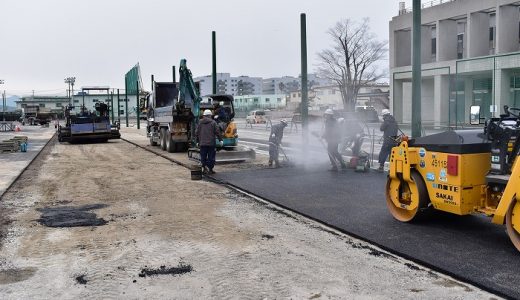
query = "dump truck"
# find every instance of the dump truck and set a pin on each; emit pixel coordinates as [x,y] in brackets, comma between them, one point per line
[460,172]
[36,115]
[172,108]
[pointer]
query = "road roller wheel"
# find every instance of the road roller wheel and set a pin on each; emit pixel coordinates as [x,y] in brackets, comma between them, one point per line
[406,199]
[513,223]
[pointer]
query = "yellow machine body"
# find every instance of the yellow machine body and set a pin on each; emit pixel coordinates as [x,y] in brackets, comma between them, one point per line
[458,193]
[450,182]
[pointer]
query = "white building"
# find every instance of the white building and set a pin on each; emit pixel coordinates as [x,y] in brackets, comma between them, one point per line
[470,56]
[226,84]
[288,84]
[251,102]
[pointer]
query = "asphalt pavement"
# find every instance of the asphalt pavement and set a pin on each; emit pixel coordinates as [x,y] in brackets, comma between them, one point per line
[470,248]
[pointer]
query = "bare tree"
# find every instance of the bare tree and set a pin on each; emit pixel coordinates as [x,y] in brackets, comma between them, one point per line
[351,60]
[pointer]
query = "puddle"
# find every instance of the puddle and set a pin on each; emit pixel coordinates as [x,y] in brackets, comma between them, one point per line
[71,216]
[163,270]
[267,237]
[16,275]
[81,279]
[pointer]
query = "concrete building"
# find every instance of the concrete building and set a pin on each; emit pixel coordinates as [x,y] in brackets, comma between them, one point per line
[52,104]
[288,84]
[252,102]
[470,56]
[226,84]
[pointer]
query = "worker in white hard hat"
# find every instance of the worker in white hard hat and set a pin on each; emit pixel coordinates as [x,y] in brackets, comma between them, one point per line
[332,135]
[389,128]
[275,141]
[207,133]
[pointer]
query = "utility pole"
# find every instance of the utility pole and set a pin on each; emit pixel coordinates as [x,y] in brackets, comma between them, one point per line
[126,100]
[416,70]
[214,61]
[3,102]
[118,108]
[305,96]
[138,105]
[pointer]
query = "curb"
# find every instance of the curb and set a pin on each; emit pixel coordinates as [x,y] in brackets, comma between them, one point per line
[53,137]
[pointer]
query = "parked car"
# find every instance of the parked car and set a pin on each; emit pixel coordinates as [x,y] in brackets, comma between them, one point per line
[256,117]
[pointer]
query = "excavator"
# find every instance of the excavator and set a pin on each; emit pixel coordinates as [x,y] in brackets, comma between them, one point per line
[462,172]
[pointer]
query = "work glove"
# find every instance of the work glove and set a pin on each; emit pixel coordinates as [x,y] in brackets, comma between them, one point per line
[197,145]
[221,143]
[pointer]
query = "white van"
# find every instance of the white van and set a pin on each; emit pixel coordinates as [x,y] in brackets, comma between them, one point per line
[256,117]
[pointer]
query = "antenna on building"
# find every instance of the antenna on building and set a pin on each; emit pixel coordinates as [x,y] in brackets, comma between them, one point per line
[402,8]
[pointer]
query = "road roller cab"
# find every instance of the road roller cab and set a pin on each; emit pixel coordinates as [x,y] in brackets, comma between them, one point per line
[460,172]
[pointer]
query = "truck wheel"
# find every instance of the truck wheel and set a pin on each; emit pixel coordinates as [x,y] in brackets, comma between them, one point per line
[170,143]
[162,138]
[406,199]
[513,223]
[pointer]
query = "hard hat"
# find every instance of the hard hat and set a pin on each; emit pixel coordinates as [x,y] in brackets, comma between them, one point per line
[207,112]
[221,103]
[329,112]
[385,112]
[283,121]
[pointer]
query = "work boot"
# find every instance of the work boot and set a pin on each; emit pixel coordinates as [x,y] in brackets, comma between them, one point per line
[270,163]
[381,168]
[211,172]
[205,170]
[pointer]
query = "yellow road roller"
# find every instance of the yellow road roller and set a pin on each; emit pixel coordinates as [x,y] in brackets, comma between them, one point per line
[461,172]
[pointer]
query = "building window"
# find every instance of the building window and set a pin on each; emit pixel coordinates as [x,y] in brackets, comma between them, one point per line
[76,101]
[255,99]
[278,100]
[492,33]
[42,104]
[267,100]
[121,112]
[58,104]
[434,43]
[460,46]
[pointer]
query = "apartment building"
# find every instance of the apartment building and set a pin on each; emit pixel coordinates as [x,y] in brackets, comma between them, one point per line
[226,84]
[470,56]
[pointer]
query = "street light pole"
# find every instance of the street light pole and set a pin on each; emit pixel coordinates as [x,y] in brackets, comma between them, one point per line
[3,102]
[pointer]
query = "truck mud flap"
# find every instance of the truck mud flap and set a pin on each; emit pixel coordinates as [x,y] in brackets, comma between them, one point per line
[228,155]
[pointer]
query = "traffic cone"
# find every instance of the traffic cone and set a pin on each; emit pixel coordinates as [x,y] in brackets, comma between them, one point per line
[17,128]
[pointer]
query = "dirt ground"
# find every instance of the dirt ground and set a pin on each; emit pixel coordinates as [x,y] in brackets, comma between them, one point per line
[212,242]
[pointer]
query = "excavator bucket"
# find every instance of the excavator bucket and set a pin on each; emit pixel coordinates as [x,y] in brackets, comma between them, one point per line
[227,154]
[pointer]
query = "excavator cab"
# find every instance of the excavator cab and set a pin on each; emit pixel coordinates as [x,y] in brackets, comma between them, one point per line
[223,112]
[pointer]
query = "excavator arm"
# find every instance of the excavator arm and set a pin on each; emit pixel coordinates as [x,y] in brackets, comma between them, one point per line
[189,96]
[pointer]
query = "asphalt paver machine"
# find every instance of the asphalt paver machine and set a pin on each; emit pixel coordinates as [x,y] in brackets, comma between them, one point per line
[88,125]
[461,172]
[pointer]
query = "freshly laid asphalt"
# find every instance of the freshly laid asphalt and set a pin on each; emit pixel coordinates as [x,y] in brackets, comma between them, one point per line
[470,248]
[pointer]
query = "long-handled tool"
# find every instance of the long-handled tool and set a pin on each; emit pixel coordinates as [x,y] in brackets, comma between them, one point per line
[322,142]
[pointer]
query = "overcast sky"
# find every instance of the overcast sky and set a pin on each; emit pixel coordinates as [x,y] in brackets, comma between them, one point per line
[98,41]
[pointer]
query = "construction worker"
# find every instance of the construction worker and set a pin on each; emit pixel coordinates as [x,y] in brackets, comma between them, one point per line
[207,133]
[389,128]
[332,136]
[275,140]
